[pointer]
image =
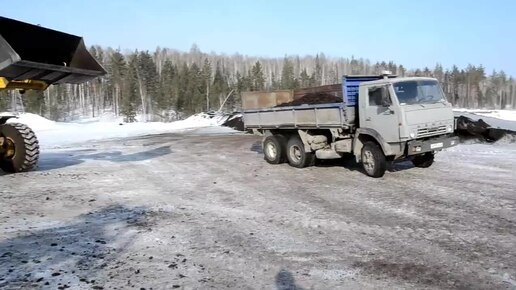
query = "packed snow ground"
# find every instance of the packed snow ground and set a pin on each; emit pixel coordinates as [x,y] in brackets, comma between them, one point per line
[52,134]
[191,210]
[190,205]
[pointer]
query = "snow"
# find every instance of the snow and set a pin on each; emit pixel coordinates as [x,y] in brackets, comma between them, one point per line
[54,134]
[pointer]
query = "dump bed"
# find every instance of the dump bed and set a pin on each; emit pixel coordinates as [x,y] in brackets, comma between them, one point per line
[31,52]
[330,106]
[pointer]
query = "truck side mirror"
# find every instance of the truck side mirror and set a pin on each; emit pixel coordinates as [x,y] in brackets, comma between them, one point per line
[386,98]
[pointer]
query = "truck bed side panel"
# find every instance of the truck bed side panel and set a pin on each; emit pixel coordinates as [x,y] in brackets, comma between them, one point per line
[323,116]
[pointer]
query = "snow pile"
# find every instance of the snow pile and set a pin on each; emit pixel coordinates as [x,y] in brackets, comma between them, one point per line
[104,117]
[508,115]
[52,134]
[36,122]
[210,119]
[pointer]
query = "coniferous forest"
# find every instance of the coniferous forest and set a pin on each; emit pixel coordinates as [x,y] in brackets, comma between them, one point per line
[166,84]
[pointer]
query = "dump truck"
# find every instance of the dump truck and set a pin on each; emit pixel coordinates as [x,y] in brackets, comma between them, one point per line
[33,58]
[377,119]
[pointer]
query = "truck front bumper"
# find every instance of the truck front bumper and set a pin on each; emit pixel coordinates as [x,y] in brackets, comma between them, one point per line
[417,146]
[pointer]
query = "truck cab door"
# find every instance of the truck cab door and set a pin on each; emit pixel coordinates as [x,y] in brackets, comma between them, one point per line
[379,113]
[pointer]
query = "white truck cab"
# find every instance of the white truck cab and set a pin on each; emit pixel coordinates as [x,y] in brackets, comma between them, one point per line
[402,110]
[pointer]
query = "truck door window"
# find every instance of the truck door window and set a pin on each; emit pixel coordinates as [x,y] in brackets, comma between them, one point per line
[376,94]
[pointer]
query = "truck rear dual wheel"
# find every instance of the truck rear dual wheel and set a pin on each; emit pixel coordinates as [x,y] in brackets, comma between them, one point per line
[373,160]
[296,155]
[274,149]
[20,148]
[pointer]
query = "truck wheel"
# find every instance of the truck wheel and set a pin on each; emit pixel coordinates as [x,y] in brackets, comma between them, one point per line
[424,160]
[373,160]
[274,149]
[20,148]
[296,155]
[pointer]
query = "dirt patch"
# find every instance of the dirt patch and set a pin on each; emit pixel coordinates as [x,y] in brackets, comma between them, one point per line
[418,273]
[313,99]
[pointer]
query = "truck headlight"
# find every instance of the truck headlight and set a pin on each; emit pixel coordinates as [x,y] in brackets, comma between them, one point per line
[449,128]
[412,135]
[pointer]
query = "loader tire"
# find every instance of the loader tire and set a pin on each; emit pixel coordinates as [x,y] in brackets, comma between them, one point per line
[296,155]
[274,149]
[373,160]
[424,160]
[21,148]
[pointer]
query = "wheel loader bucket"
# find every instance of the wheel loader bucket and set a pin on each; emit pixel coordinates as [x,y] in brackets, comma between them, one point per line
[34,54]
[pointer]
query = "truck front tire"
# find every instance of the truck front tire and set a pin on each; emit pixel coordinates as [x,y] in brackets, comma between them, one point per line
[296,155]
[424,160]
[373,160]
[274,149]
[20,148]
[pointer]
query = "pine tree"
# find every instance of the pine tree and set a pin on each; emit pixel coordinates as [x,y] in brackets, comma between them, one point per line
[183,85]
[195,97]
[305,79]
[117,68]
[206,82]
[169,89]
[288,79]
[220,85]
[130,99]
[257,78]
[148,82]
[318,72]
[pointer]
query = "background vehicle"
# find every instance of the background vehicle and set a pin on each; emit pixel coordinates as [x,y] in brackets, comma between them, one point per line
[376,118]
[32,58]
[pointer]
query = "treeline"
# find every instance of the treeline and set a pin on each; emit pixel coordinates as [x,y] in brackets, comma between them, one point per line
[167,84]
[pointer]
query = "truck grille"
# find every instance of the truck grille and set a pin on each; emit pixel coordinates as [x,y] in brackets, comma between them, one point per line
[425,132]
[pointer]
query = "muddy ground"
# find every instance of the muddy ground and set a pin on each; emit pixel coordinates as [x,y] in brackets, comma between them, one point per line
[192,211]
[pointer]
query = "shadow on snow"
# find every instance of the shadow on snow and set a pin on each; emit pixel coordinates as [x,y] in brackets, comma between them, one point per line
[53,255]
[55,160]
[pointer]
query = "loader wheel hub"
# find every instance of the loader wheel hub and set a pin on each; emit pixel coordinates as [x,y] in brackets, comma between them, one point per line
[9,148]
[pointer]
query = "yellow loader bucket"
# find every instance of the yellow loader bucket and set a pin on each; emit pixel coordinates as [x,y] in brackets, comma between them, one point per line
[32,56]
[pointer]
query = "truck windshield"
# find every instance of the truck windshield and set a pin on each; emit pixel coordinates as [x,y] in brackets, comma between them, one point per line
[418,92]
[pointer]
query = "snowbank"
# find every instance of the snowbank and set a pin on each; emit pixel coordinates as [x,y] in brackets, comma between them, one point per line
[36,122]
[54,134]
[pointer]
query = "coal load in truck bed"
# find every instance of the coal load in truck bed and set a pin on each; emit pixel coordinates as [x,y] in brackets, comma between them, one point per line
[313,99]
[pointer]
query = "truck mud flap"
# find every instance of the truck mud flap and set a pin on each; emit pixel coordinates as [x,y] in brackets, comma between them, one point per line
[31,52]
